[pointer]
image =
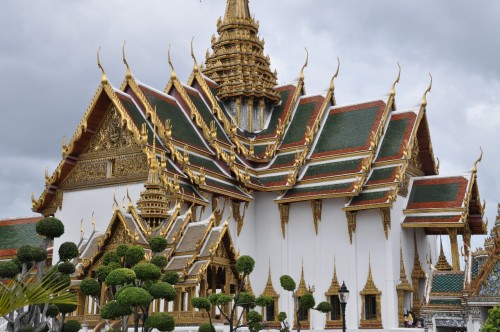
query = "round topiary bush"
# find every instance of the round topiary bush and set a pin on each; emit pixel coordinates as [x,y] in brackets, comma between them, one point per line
[246,300]
[245,264]
[26,254]
[120,276]
[160,261]
[162,290]
[324,307]
[52,311]
[171,277]
[147,271]
[9,269]
[110,257]
[114,309]
[161,321]
[68,250]
[158,244]
[206,327]
[62,280]
[287,283]
[307,301]
[115,265]
[50,227]
[71,326]
[90,287]
[102,272]
[134,255]
[66,268]
[66,308]
[134,296]
[201,303]
[254,316]
[121,250]
[39,254]
[282,316]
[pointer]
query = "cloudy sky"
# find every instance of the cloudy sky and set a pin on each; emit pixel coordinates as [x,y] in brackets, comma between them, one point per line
[49,74]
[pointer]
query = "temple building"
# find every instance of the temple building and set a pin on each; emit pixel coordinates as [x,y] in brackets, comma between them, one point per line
[230,163]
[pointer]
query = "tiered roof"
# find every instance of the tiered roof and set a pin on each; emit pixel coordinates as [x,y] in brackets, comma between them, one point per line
[16,233]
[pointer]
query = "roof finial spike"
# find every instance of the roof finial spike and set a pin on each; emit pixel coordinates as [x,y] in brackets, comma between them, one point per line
[104,78]
[195,68]
[424,98]
[93,221]
[305,64]
[128,74]
[173,75]
[393,88]
[82,232]
[332,84]
[474,169]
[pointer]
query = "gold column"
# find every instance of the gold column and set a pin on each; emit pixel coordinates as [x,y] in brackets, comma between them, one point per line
[238,111]
[466,237]
[250,114]
[261,108]
[454,249]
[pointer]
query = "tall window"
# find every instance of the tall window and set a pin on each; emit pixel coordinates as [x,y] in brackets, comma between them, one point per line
[270,312]
[370,307]
[335,302]
[303,313]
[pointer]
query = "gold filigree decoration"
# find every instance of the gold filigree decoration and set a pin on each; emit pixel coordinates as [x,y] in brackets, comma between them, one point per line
[351,223]
[86,171]
[386,220]
[415,155]
[316,206]
[112,135]
[239,218]
[284,215]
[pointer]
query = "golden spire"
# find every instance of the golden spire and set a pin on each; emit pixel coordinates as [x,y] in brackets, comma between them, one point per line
[332,83]
[402,272]
[393,88]
[370,287]
[334,285]
[305,64]
[173,75]
[93,221]
[195,67]
[269,290]
[82,231]
[424,98]
[104,78]
[442,264]
[302,289]
[474,169]
[128,73]
[238,63]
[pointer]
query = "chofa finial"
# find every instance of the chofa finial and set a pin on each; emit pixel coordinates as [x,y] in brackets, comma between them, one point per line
[305,64]
[474,169]
[424,98]
[193,56]
[393,88]
[104,78]
[332,84]
[128,74]
[173,75]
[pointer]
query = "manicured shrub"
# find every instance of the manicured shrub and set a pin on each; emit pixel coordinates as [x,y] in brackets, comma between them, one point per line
[161,321]
[160,261]
[26,254]
[52,311]
[114,309]
[50,227]
[68,250]
[134,296]
[201,303]
[282,316]
[9,269]
[171,277]
[287,283]
[66,268]
[306,301]
[102,272]
[206,327]
[264,301]
[39,254]
[246,300]
[254,316]
[162,290]
[115,265]
[120,276]
[158,244]
[245,264]
[147,271]
[324,307]
[71,326]
[66,308]
[134,255]
[110,257]
[90,287]
[121,250]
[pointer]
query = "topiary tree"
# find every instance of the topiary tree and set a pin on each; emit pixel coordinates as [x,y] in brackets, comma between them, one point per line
[492,323]
[161,321]
[305,302]
[71,326]
[50,227]
[67,251]
[158,244]
[134,255]
[247,301]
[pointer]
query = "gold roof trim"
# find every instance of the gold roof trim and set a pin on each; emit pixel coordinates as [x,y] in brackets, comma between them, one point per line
[302,289]
[269,289]
[334,285]
[370,288]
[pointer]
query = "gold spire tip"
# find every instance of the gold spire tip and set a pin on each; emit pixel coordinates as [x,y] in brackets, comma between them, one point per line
[173,75]
[474,169]
[424,98]
[193,56]
[393,88]
[104,78]
[128,74]
[332,84]
[305,64]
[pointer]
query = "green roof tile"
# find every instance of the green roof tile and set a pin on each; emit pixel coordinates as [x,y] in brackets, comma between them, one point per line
[369,197]
[18,235]
[270,179]
[276,114]
[447,283]
[393,138]
[325,189]
[300,121]
[446,301]
[207,164]
[434,193]
[381,174]
[333,168]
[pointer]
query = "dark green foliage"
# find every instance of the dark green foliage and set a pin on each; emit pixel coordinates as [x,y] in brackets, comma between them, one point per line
[120,276]
[66,268]
[66,308]
[121,250]
[114,309]
[50,227]
[264,301]
[160,261]
[161,321]
[68,250]
[26,254]
[110,257]
[206,327]
[134,255]
[492,323]
[246,300]
[171,277]
[158,244]
[245,264]
[134,296]
[254,316]
[90,287]
[52,311]
[220,299]
[201,303]
[282,316]
[287,283]
[102,272]
[64,278]
[9,269]
[39,254]
[163,290]
[147,271]
[324,307]
[27,328]
[115,265]
[71,326]
[306,301]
